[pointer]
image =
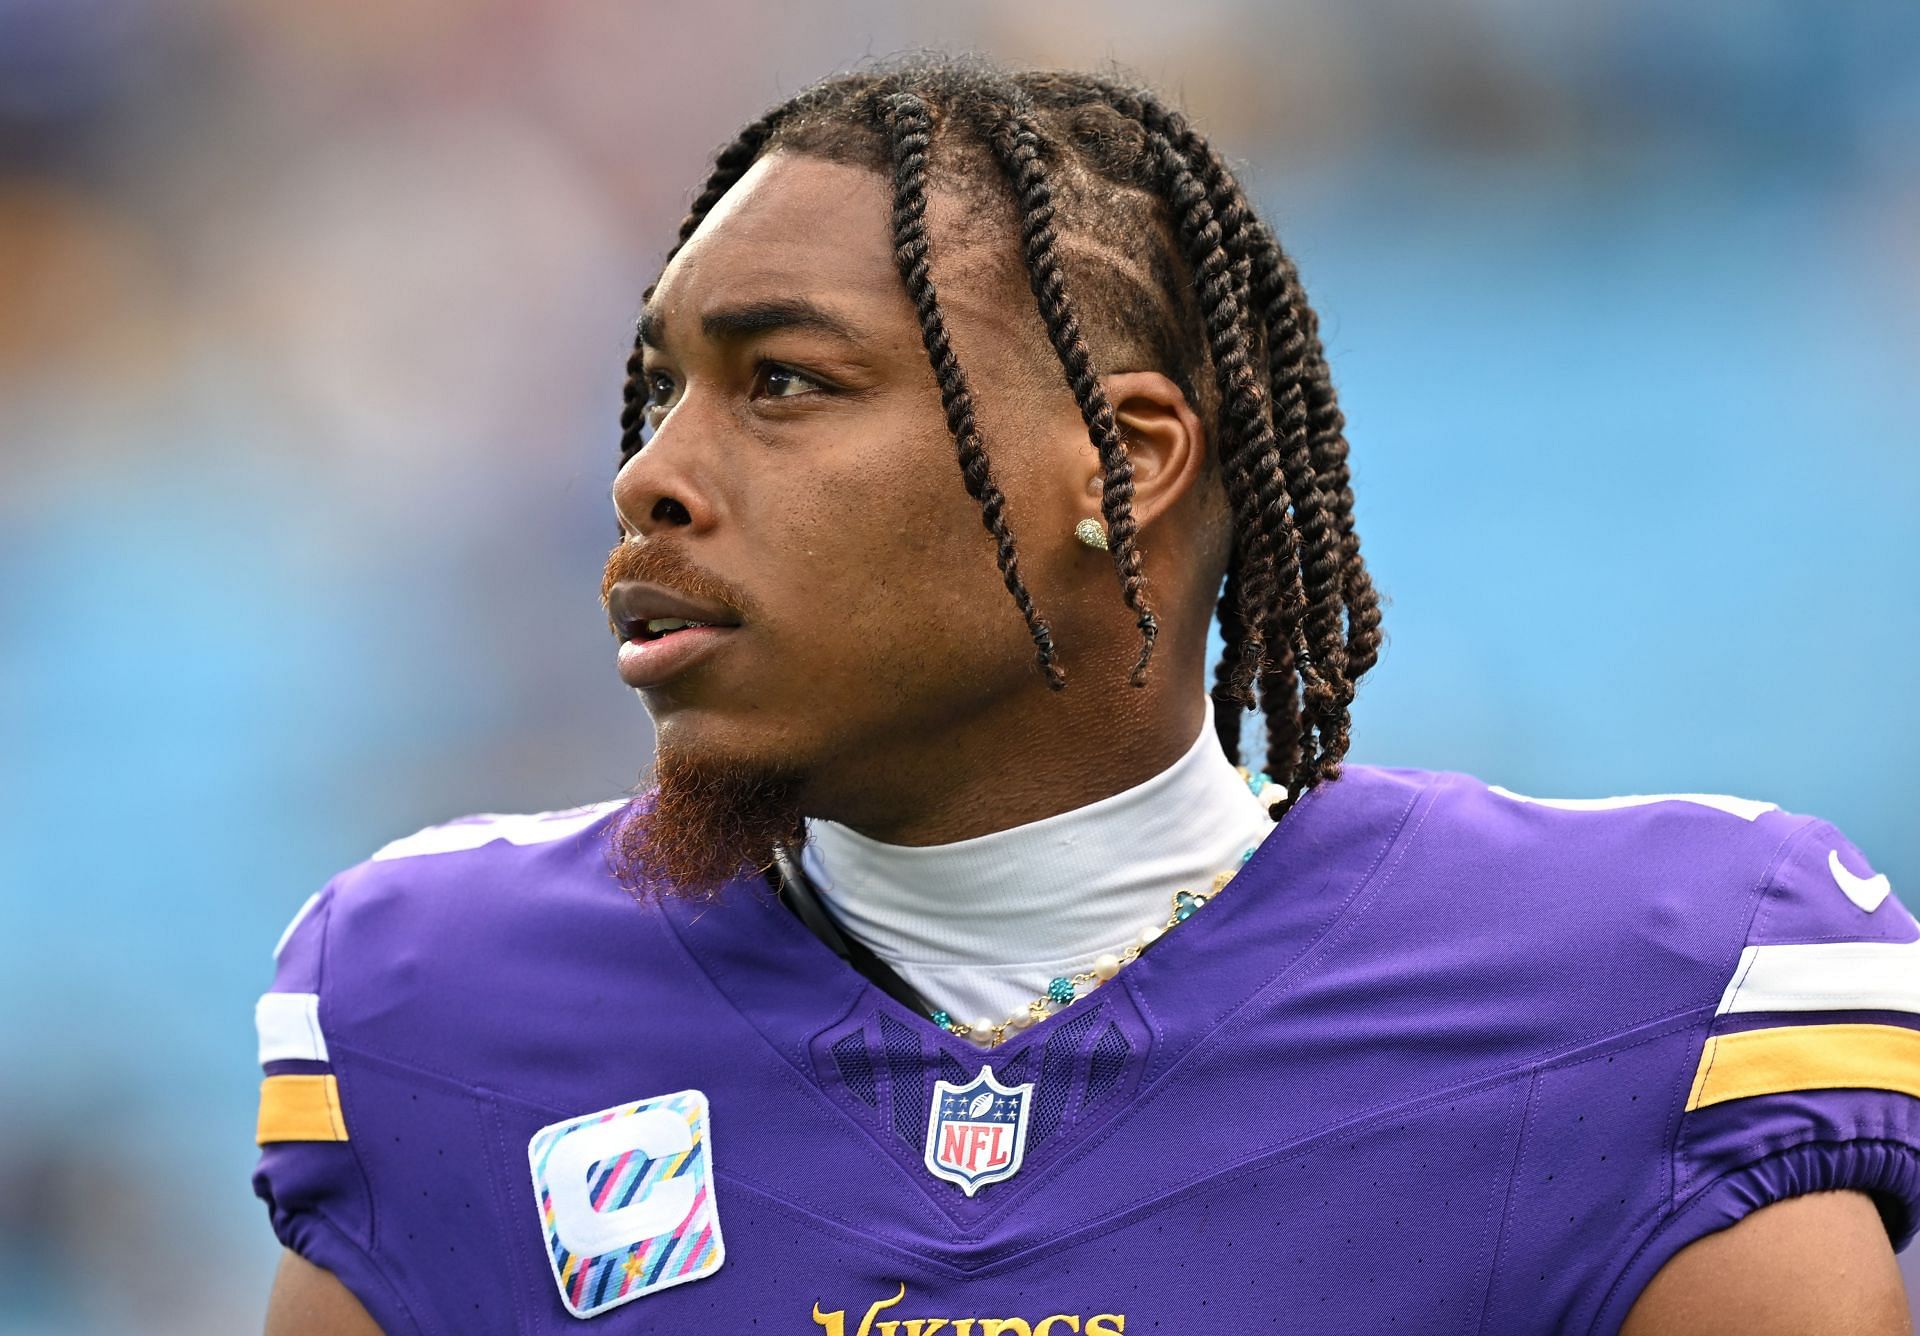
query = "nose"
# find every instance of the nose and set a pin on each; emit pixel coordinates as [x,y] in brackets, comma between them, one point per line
[654,491]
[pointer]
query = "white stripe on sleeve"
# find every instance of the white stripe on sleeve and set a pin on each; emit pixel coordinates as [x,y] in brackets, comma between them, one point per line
[1826,976]
[289,1025]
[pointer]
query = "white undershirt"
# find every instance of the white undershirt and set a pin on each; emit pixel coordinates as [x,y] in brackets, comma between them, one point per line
[979,926]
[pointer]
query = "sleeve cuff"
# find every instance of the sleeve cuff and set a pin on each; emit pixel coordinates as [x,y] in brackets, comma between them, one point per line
[317,1239]
[1888,1171]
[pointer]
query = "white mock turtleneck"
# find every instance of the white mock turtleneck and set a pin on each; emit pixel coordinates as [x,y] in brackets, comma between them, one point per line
[978,927]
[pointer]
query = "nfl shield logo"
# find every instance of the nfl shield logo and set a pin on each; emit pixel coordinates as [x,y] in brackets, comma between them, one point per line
[977,1133]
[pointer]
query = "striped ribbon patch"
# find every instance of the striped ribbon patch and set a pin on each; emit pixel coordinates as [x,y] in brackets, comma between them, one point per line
[626,1200]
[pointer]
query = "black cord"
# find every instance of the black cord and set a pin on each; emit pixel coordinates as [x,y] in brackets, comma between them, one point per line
[799,895]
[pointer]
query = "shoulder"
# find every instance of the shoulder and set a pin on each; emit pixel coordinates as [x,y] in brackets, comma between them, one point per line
[1666,833]
[454,886]
[1712,1004]
[1605,911]
[1740,974]
[1714,870]
[483,919]
[1685,859]
[471,966]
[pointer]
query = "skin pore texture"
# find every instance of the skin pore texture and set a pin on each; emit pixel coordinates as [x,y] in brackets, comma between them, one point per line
[808,471]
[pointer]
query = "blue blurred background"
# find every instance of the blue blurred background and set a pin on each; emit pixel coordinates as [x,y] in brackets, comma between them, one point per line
[312,320]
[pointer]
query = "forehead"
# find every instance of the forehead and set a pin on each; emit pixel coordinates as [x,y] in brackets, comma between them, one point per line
[791,227]
[803,227]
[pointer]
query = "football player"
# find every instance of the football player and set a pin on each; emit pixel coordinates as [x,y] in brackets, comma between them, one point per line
[949,979]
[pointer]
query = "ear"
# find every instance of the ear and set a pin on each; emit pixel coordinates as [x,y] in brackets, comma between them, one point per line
[1165,443]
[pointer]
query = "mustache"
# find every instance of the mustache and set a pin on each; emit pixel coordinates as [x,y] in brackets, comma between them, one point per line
[660,564]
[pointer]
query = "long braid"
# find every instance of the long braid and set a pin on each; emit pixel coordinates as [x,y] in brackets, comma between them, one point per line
[1326,690]
[1355,650]
[1228,712]
[1329,426]
[911,126]
[1271,595]
[1297,366]
[1288,742]
[1229,204]
[1018,146]
[1313,479]
[1249,674]
[1299,482]
[1246,651]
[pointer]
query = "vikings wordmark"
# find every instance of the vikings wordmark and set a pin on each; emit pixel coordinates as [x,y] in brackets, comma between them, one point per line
[977,1133]
[1054,1324]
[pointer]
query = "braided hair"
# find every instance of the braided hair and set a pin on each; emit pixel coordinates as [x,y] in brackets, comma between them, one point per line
[1205,295]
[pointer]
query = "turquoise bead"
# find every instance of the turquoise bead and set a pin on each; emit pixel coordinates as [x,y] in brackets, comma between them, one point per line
[1060,991]
[942,1019]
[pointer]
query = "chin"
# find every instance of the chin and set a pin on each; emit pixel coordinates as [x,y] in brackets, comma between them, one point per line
[722,737]
[753,746]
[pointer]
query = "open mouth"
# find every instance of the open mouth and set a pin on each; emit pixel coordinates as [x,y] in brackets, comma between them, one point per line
[659,628]
[646,612]
[663,632]
[661,648]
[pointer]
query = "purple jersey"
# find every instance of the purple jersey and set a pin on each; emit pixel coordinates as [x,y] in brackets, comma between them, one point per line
[1442,1059]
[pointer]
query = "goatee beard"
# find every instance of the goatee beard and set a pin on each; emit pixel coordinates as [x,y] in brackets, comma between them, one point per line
[703,823]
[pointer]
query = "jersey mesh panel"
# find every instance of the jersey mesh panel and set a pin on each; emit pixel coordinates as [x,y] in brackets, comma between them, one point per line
[1052,1090]
[1014,1070]
[1110,1055]
[906,1078]
[850,1055]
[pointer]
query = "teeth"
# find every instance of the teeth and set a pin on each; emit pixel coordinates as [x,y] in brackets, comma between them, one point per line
[660,625]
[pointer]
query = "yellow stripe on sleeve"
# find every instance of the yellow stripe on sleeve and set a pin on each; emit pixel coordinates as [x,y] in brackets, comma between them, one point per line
[300,1108]
[1807,1057]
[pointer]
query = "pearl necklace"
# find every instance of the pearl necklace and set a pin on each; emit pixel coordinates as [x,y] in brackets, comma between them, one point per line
[1064,991]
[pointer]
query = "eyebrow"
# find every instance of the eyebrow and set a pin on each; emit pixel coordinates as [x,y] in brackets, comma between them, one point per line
[735,323]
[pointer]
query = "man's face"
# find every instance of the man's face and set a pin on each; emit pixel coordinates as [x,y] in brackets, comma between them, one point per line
[800,470]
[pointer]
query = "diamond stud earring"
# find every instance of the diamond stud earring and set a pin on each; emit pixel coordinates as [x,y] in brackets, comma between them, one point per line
[1093,533]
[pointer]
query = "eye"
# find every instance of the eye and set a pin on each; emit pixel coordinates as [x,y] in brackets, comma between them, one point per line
[660,391]
[774,380]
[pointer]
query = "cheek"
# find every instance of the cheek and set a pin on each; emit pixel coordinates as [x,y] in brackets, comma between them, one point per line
[898,572]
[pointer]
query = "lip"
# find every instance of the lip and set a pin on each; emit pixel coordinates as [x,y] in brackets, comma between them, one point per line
[652,663]
[631,604]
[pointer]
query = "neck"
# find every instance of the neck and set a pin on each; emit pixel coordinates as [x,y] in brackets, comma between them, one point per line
[1040,755]
[980,924]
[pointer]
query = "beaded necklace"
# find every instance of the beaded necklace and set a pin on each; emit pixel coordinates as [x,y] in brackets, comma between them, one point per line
[1064,991]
